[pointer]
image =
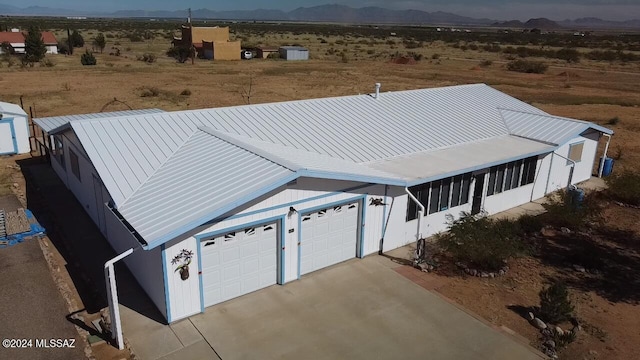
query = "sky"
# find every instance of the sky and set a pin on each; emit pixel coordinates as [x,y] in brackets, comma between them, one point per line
[493,9]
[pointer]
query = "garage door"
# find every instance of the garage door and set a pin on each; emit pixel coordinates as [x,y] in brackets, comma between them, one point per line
[239,262]
[328,236]
[7,137]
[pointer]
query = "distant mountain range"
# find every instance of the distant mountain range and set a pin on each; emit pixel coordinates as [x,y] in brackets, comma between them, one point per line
[329,13]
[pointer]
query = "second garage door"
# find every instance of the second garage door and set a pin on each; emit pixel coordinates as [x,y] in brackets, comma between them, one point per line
[328,236]
[239,262]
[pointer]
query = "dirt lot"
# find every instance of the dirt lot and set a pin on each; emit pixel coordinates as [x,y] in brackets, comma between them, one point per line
[594,91]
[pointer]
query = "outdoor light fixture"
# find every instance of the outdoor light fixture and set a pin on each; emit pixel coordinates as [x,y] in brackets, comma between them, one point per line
[292,211]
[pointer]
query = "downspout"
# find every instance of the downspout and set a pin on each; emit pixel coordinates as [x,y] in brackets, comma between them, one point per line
[604,157]
[112,296]
[420,213]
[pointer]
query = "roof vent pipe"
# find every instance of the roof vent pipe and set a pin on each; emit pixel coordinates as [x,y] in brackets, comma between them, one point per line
[378,85]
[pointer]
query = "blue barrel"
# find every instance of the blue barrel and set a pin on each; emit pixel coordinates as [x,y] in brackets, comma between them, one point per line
[608,166]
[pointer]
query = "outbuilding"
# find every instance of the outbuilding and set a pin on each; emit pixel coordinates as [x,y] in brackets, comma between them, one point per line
[294,53]
[14,130]
[217,203]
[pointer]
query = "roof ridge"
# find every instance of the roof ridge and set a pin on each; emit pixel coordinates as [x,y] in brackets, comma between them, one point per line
[155,171]
[244,145]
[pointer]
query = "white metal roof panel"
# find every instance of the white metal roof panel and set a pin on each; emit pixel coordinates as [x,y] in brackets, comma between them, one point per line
[303,160]
[53,123]
[551,129]
[434,164]
[13,109]
[204,175]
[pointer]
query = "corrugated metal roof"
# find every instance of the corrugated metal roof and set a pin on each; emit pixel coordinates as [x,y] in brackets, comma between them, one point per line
[157,166]
[13,109]
[204,175]
[434,164]
[54,123]
[551,129]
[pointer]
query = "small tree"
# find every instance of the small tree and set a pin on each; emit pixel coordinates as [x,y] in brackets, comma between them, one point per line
[88,59]
[100,42]
[76,40]
[7,49]
[180,53]
[34,48]
[555,306]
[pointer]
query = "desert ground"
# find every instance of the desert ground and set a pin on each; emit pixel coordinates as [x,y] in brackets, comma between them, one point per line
[605,92]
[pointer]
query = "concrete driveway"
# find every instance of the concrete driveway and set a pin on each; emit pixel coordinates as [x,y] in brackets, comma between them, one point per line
[360,309]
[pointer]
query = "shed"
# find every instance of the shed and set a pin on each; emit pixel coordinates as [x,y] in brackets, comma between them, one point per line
[253,196]
[14,130]
[294,53]
[263,52]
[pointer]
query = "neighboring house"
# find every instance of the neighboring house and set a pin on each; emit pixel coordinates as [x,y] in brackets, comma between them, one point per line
[14,130]
[263,52]
[209,42]
[16,39]
[264,194]
[294,53]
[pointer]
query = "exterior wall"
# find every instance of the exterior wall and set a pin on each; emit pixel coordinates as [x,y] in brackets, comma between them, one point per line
[146,266]
[583,169]
[306,193]
[226,50]
[52,49]
[294,54]
[210,34]
[20,144]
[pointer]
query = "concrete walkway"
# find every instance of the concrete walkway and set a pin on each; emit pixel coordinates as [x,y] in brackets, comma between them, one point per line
[360,309]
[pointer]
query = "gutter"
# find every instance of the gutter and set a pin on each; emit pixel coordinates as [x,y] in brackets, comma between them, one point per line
[420,213]
[112,296]
[604,157]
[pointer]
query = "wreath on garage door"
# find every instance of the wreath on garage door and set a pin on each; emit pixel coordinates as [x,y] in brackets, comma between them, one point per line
[184,259]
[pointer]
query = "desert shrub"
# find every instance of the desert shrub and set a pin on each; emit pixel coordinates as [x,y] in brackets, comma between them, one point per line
[180,53]
[47,63]
[564,339]
[561,212]
[568,55]
[527,66]
[185,92]
[625,187]
[435,56]
[88,58]
[492,48]
[149,91]
[486,63]
[147,57]
[613,121]
[344,58]
[530,224]
[555,305]
[415,56]
[482,242]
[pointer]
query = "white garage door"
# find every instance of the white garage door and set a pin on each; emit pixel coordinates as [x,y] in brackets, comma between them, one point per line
[239,262]
[7,144]
[328,236]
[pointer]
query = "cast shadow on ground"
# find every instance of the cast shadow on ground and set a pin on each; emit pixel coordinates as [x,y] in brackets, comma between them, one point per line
[80,242]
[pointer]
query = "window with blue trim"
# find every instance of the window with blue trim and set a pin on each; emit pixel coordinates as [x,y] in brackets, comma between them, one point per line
[511,175]
[440,195]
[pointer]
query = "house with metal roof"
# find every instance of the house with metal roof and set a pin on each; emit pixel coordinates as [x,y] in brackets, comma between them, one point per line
[14,130]
[217,203]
